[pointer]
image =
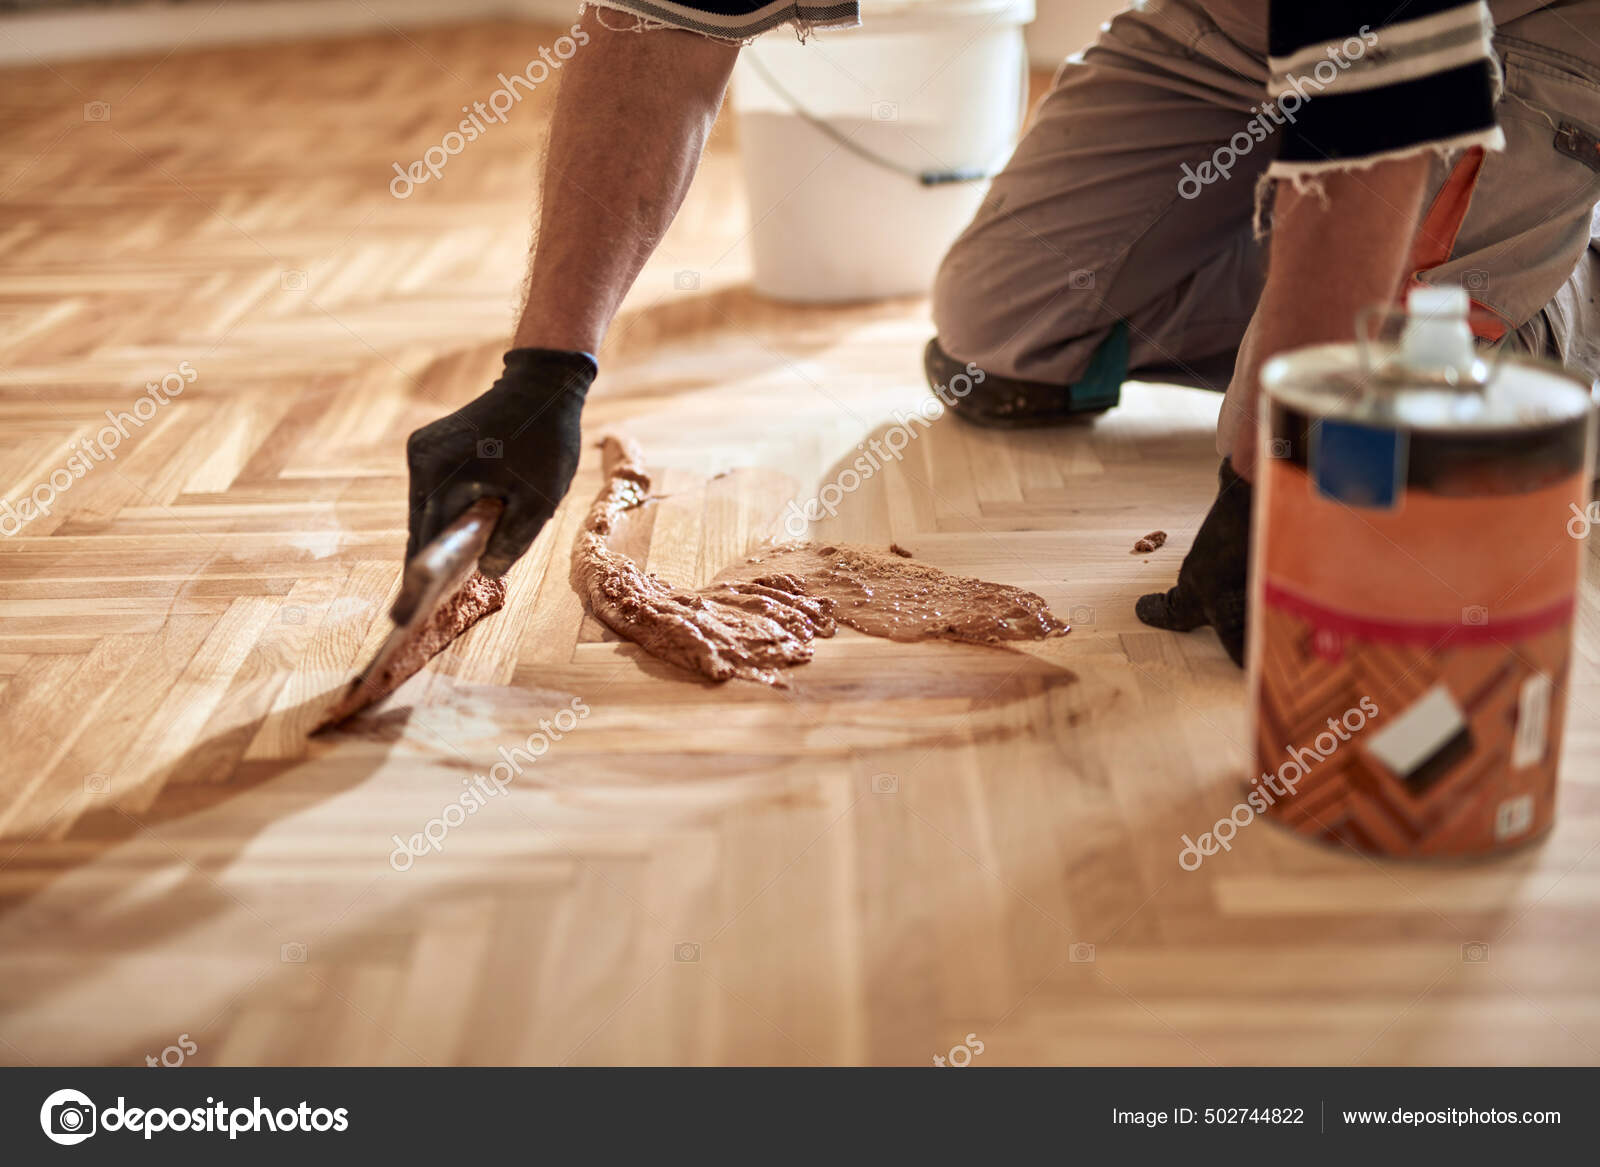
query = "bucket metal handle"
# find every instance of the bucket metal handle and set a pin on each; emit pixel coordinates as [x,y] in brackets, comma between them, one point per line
[925,177]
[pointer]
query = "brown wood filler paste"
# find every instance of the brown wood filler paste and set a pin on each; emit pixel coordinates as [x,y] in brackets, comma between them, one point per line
[480,596]
[761,616]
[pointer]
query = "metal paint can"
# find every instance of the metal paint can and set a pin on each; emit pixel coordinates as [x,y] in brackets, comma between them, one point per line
[1414,581]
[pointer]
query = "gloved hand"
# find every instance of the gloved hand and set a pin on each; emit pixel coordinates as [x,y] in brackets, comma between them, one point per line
[518,442]
[1213,581]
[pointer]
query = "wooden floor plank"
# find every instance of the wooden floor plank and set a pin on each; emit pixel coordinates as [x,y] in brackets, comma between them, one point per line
[913,843]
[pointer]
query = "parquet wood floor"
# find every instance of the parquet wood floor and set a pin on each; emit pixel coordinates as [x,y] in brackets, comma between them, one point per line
[914,844]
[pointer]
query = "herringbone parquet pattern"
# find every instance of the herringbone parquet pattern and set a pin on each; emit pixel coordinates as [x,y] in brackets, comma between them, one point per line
[915,843]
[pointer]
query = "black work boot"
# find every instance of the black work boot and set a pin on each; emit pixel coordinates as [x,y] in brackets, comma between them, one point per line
[988,399]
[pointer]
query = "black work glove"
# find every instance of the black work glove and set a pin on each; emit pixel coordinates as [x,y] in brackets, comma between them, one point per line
[518,442]
[1214,577]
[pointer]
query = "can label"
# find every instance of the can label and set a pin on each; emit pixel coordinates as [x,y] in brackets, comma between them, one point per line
[1411,630]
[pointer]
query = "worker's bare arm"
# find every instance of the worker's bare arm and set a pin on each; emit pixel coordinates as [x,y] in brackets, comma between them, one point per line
[630,122]
[1334,252]
[631,119]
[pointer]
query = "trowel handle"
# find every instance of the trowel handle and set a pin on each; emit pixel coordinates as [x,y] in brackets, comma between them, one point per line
[444,564]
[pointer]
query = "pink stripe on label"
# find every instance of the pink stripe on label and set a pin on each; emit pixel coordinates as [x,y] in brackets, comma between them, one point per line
[1490,631]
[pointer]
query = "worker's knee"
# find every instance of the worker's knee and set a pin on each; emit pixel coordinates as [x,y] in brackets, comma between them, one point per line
[971,311]
[1014,314]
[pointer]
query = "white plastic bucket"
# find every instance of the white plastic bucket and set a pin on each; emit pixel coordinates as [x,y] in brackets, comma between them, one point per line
[837,133]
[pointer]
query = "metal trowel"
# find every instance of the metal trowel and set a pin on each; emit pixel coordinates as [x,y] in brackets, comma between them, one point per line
[432,579]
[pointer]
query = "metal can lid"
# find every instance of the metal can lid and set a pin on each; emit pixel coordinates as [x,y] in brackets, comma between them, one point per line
[1371,384]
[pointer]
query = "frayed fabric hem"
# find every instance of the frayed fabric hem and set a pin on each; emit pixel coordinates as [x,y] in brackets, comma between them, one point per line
[1266,194]
[1308,175]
